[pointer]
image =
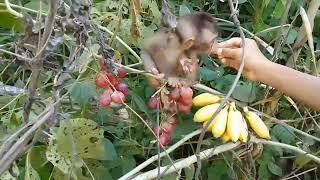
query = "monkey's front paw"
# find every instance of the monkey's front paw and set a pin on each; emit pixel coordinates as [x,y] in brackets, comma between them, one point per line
[175,82]
[188,65]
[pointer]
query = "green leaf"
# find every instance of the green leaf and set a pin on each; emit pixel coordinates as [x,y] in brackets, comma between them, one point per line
[224,83]
[140,103]
[127,163]
[30,173]
[274,169]
[218,170]
[245,92]
[123,146]
[263,172]
[86,58]
[35,5]
[189,172]
[292,35]
[10,22]
[282,133]
[38,161]
[184,10]
[301,160]
[185,127]
[73,141]
[155,11]
[279,9]
[111,151]
[83,92]
[103,116]
[207,74]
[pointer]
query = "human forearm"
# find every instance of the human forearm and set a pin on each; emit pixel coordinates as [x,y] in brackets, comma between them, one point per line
[300,86]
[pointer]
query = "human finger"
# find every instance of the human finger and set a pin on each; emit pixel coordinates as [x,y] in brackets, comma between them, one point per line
[230,63]
[231,43]
[228,53]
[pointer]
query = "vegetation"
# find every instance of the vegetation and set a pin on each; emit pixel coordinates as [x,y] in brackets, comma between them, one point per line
[59,118]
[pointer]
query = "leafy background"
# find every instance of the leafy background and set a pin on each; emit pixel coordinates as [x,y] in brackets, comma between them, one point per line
[111,142]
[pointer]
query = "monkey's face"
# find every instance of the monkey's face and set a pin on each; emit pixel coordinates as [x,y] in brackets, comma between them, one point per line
[206,42]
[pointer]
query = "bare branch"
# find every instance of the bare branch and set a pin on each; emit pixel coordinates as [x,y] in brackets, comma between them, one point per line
[155,157]
[37,61]
[188,161]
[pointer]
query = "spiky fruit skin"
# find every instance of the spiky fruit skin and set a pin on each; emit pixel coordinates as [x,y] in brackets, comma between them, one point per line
[220,123]
[234,123]
[225,137]
[244,132]
[205,113]
[205,99]
[257,124]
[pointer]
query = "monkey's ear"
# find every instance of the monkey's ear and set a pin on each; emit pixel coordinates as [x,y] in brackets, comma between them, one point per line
[188,44]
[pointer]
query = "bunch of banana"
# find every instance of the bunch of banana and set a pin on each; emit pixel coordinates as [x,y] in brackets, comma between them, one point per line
[229,124]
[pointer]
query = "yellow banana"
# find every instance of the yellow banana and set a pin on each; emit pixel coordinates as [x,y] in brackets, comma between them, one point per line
[225,137]
[244,131]
[205,113]
[257,124]
[205,99]
[220,122]
[234,123]
[209,127]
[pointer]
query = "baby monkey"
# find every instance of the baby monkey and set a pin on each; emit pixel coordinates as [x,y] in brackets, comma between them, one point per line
[173,52]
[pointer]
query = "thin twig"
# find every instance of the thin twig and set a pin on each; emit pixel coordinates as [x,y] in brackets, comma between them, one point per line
[237,24]
[260,41]
[155,157]
[296,175]
[121,42]
[188,161]
[11,11]
[285,146]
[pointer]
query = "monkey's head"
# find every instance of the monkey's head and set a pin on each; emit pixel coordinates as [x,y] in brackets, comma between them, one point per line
[197,31]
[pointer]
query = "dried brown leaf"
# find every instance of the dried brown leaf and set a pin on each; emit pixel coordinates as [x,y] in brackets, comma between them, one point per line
[135,6]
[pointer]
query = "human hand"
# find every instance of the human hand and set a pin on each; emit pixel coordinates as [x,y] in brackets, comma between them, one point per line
[229,52]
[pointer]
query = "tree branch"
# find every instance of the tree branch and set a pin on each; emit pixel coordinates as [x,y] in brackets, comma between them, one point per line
[155,157]
[219,149]
[188,161]
[285,146]
[37,61]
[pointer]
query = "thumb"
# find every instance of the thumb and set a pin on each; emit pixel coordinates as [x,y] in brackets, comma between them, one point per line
[228,53]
